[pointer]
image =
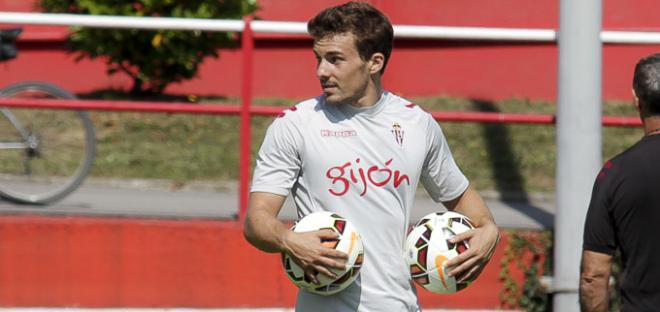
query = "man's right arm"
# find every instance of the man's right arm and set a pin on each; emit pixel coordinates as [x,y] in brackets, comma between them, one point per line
[263,230]
[594,281]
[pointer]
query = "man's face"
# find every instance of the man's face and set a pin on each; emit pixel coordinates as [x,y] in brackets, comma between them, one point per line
[344,76]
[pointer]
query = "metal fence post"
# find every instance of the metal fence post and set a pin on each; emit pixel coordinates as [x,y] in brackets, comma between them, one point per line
[578,139]
[247,49]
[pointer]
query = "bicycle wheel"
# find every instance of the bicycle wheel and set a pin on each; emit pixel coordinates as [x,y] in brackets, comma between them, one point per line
[45,154]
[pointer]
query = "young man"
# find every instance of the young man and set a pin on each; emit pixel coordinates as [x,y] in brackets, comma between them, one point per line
[625,210]
[359,151]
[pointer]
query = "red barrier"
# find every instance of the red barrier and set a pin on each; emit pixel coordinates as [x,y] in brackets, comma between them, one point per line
[488,117]
[537,119]
[56,262]
[622,121]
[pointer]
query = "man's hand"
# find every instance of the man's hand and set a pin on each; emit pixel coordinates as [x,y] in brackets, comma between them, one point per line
[264,231]
[307,250]
[482,241]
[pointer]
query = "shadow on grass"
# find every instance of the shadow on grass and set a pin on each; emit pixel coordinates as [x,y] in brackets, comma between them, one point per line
[508,179]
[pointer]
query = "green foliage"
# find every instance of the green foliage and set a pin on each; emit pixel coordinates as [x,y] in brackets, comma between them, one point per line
[153,59]
[531,252]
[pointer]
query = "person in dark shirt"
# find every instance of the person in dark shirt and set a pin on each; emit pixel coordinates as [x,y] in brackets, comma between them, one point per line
[624,212]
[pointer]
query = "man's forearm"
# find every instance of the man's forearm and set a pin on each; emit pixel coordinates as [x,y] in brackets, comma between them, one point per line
[262,227]
[593,294]
[594,280]
[265,232]
[473,206]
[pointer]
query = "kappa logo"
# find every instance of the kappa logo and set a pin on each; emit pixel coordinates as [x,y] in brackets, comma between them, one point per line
[338,134]
[397,131]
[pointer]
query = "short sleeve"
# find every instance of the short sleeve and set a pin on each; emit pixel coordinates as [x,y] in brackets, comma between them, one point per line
[599,235]
[441,177]
[278,161]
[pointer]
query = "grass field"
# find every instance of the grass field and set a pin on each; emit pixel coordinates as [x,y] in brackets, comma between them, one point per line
[180,147]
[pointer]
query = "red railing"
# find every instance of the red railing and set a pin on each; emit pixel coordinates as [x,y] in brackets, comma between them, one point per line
[245,129]
[246,110]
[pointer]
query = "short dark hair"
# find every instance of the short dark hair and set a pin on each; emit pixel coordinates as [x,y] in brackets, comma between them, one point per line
[646,83]
[372,30]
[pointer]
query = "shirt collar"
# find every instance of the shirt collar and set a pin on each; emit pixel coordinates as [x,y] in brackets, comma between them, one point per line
[369,110]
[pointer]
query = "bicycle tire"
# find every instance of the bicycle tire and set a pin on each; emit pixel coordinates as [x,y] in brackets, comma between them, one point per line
[19,190]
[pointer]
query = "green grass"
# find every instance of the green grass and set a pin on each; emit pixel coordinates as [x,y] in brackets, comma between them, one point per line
[185,147]
[180,147]
[517,157]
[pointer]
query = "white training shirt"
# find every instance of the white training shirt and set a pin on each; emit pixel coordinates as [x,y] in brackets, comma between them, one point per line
[364,164]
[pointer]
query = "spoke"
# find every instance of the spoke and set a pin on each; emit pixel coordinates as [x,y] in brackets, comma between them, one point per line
[15,122]
[11,145]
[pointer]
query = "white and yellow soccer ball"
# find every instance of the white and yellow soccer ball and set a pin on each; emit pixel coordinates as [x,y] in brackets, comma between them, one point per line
[349,241]
[428,248]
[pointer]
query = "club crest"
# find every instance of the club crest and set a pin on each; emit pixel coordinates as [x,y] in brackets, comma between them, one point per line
[397,131]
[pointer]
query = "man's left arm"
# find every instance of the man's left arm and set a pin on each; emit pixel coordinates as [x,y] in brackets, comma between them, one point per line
[482,239]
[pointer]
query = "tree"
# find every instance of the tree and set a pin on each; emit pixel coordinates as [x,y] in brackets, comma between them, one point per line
[153,59]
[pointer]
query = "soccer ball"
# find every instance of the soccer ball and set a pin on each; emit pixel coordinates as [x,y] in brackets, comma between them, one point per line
[349,242]
[427,249]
